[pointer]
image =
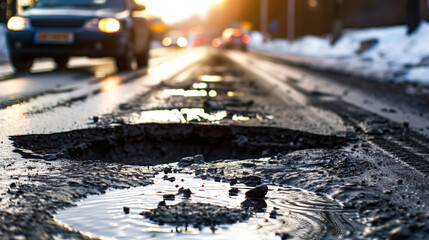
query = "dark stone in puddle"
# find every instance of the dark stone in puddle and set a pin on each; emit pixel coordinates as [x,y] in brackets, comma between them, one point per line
[186,192]
[257,192]
[254,204]
[166,143]
[171,179]
[126,210]
[273,214]
[196,214]
[169,197]
[233,181]
[252,181]
[233,192]
[162,204]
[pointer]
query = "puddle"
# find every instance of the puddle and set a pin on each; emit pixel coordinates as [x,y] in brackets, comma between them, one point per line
[211,78]
[300,214]
[187,93]
[186,115]
[152,144]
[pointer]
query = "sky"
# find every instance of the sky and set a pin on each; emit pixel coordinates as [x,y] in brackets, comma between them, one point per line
[173,11]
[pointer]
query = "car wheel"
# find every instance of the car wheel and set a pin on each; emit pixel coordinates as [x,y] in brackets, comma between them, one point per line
[124,62]
[143,58]
[61,62]
[21,64]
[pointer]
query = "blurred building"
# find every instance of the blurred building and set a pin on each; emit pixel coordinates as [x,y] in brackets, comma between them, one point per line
[9,8]
[319,17]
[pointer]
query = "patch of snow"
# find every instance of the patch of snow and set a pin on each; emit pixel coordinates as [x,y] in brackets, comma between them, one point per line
[3,48]
[420,74]
[395,55]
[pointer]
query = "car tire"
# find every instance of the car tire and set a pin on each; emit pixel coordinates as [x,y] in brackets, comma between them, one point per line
[61,62]
[124,62]
[143,58]
[21,63]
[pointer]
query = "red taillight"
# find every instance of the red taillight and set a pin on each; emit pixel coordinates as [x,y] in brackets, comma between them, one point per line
[197,43]
[245,38]
[216,43]
[237,33]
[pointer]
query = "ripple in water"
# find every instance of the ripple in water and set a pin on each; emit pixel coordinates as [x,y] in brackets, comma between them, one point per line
[301,214]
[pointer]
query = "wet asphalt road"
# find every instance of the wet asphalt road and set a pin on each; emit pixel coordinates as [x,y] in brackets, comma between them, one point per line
[362,143]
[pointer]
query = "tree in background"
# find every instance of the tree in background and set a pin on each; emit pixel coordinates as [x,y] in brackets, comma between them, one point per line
[413,15]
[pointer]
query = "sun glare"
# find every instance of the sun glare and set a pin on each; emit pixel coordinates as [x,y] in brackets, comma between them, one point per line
[172,11]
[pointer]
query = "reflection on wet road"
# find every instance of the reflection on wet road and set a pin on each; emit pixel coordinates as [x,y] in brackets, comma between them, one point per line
[69,100]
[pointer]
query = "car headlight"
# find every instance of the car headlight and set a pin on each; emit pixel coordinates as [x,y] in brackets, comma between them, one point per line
[18,23]
[107,25]
[182,42]
[167,42]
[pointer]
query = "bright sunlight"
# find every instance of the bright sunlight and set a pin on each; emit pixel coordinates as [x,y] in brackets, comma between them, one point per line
[173,11]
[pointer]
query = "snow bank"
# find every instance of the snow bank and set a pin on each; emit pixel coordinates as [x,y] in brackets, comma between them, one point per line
[3,48]
[394,55]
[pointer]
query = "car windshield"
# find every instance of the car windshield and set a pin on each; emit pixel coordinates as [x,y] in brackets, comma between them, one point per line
[97,4]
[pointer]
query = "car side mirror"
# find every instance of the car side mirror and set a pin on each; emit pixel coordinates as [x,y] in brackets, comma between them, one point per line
[139,8]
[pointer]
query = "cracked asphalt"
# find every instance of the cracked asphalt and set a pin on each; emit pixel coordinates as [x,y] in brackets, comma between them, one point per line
[70,134]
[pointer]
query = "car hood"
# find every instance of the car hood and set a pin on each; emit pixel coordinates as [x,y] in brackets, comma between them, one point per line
[72,13]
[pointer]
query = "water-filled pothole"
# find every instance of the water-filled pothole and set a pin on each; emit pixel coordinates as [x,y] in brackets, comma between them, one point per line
[152,144]
[299,214]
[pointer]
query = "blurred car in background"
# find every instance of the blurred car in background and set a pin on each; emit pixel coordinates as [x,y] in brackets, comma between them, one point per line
[94,28]
[175,39]
[235,38]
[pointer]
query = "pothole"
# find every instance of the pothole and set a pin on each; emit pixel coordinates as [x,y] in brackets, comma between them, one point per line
[285,212]
[152,144]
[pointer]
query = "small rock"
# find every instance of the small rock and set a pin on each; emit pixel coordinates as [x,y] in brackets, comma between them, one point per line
[167,170]
[273,214]
[283,236]
[233,191]
[125,106]
[169,197]
[50,157]
[399,233]
[406,124]
[162,204]
[187,193]
[13,185]
[252,181]
[188,161]
[233,181]
[95,119]
[126,210]
[257,192]
[387,191]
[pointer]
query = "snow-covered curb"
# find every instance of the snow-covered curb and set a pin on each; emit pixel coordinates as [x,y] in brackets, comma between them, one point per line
[395,55]
[3,48]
